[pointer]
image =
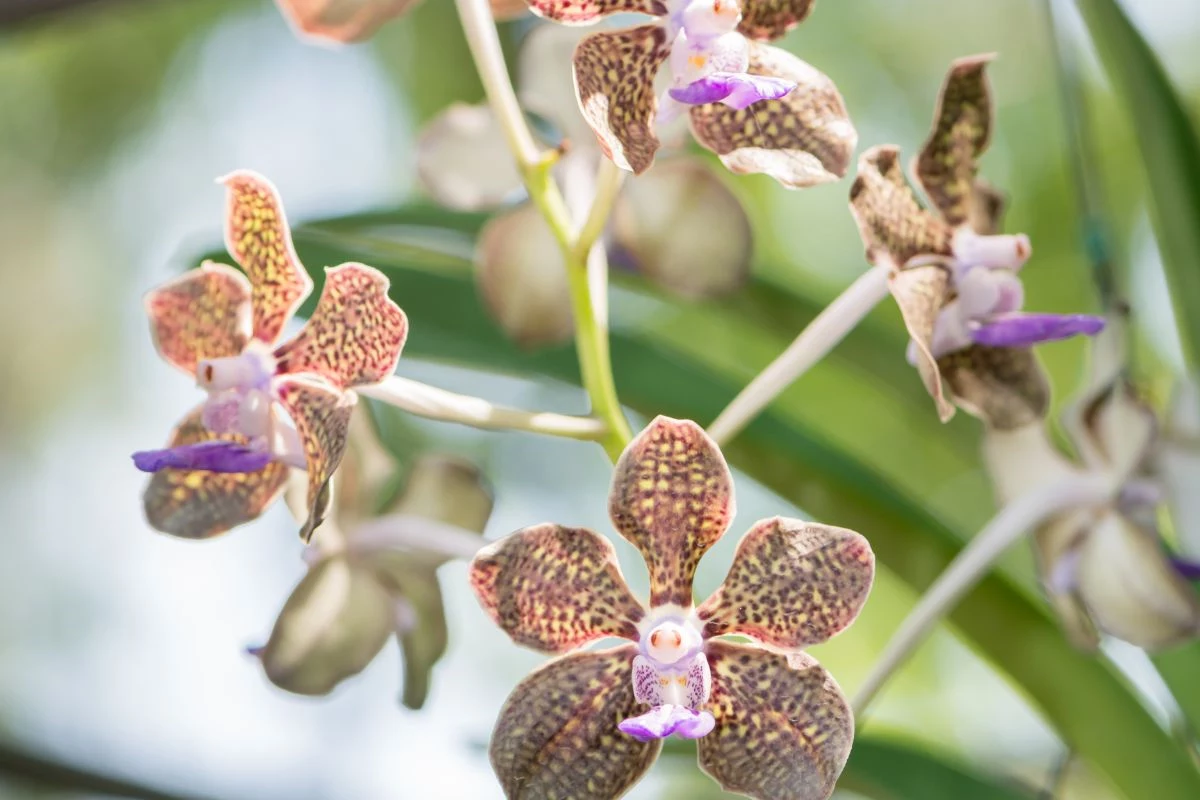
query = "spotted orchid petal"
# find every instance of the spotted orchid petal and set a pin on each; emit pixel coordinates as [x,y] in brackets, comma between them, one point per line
[463,159]
[672,497]
[1025,330]
[321,414]
[1006,387]
[962,126]
[217,455]
[553,588]
[769,19]
[804,138]
[557,734]
[196,505]
[342,20]
[919,293]
[733,89]
[356,333]
[614,81]
[667,720]
[783,728]
[259,239]
[792,584]
[204,313]
[585,12]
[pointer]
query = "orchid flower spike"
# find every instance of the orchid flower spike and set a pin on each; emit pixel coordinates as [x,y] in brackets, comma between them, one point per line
[269,405]
[953,276]
[759,108]
[345,21]
[771,722]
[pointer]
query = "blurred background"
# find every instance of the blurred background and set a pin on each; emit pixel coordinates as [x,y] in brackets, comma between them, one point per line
[123,651]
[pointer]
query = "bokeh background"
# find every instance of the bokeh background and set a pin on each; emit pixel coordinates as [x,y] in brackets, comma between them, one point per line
[122,650]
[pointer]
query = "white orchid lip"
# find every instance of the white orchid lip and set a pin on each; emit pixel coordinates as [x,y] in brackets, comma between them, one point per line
[1002,251]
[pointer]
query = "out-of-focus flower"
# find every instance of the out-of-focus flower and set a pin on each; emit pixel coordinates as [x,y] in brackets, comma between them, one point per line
[678,225]
[1178,465]
[373,576]
[270,406]
[954,278]
[759,108]
[346,21]
[771,722]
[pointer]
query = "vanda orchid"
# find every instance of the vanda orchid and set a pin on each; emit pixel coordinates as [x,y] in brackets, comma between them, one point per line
[269,405]
[771,722]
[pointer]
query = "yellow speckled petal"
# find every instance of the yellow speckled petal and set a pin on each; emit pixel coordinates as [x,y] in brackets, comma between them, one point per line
[197,505]
[258,238]
[557,734]
[614,81]
[1005,387]
[204,313]
[672,497]
[356,333]
[920,292]
[893,226]
[554,588]
[783,729]
[802,139]
[583,12]
[962,127]
[792,584]
[770,19]
[321,414]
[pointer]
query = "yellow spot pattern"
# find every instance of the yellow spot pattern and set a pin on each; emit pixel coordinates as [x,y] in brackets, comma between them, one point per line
[201,314]
[769,19]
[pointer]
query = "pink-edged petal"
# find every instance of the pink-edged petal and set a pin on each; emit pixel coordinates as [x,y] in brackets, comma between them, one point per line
[1025,330]
[770,19]
[553,588]
[614,81]
[920,293]
[321,414]
[962,127]
[663,721]
[197,505]
[356,333]
[734,89]
[1005,387]
[804,138]
[463,159]
[216,455]
[584,12]
[672,497]
[259,239]
[342,20]
[204,313]
[792,584]
[557,734]
[783,728]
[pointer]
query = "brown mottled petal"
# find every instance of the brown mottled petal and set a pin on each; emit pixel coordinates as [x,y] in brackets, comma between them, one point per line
[355,334]
[1053,542]
[258,237]
[770,19]
[553,588]
[962,127]
[672,497]
[321,414]
[342,20]
[614,81]
[204,313]
[783,731]
[196,505]
[803,139]
[893,226]
[557,734]
[792,584]
[920,292]
[463,159]
[583,12]
[1005,387]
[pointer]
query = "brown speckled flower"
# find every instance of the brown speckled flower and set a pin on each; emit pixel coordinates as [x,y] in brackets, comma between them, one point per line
[771,722]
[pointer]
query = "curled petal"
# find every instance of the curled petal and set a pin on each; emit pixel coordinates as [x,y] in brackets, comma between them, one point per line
[672,497]
[614,81]
[1004,386]
[258,238]
[770,19]
[734,89]
[204,313]
[962,127]
[463,159]
[1025,330]
[920,293]
[554,588]
[217,455]
[557,734]
[321,414]
[802,139]
[663,721]
[342,20]
[893,226]
[584,12]
[356,333]
[783,729]
[197,505]
[792,584]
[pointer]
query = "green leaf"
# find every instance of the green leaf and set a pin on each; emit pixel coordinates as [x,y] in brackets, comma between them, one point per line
[1170,150]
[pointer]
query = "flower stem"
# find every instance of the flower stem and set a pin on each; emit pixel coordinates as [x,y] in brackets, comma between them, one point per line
[814,342]
[579,248]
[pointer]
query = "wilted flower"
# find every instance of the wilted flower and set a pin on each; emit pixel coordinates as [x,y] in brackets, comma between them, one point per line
[228,459]
[355,20]
[373,574]
[954,278]
[771,721]
[759,108]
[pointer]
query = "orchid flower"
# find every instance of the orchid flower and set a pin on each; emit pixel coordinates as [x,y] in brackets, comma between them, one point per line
[345,21]
[955,279]
[771,722]
[759,108]
[270,405]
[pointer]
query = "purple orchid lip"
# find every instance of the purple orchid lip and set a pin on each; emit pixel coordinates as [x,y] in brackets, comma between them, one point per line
[211,456]
[1026,330]
[1190,570]
[662,721]
[734,89]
